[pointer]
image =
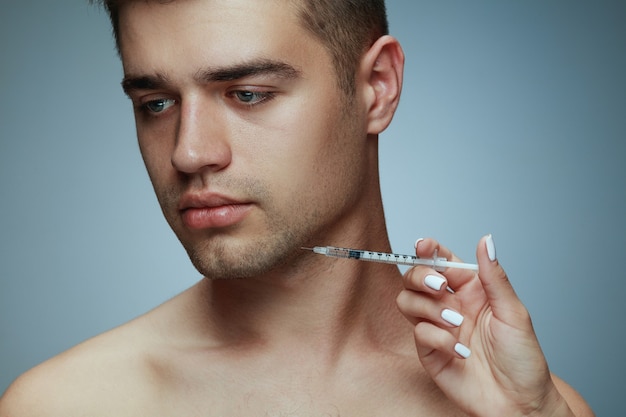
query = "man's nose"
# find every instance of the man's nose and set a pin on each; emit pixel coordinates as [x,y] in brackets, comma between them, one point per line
[202,141]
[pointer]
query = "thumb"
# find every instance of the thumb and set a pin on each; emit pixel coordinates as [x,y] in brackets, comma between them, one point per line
[502,298]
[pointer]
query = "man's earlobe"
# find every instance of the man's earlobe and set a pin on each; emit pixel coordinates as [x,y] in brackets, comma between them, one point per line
[382,67]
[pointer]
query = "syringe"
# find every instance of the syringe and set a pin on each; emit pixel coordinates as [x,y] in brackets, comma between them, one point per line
[435,262]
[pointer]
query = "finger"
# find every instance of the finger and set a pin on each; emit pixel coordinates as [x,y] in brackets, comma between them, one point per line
[430,338]
[426,280]
[428,247]
[418,307]
[499,291]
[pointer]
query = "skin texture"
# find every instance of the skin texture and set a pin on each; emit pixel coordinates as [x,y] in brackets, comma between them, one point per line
[252,155]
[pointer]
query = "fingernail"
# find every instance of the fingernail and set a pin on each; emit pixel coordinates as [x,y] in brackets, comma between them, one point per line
[462,350]
[433,281]
[417,242]
[491,248]
[452,317]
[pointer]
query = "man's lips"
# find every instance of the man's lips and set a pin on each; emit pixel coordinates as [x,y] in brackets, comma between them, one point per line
[209,211]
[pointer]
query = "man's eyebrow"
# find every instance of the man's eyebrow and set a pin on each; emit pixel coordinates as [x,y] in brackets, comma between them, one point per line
[143,82]
[248,69]
[218,74]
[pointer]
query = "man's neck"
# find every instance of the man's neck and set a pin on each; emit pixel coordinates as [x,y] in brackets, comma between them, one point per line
[326,306]
[314,302]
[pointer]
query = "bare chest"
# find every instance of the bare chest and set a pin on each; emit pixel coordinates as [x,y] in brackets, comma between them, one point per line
[294,392]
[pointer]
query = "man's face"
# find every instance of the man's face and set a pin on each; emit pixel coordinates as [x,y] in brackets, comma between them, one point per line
[246,139]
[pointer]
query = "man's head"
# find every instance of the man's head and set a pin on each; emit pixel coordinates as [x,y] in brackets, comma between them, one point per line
[252,149]
[346,28]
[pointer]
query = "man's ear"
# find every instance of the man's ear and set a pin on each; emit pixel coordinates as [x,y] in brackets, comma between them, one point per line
[381,71]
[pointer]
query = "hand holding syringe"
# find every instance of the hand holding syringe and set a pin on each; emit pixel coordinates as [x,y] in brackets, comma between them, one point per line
[436,262]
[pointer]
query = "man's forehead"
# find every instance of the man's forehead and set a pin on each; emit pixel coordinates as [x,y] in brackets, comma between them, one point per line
[184,37]
[122,6]
[244,16]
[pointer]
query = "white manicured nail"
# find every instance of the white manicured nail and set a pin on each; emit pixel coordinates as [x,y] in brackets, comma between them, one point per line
[433,281]
[462,350]
[452,317]
[491,248]
[417,242]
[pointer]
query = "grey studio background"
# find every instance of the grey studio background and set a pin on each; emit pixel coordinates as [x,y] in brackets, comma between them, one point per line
[512,122]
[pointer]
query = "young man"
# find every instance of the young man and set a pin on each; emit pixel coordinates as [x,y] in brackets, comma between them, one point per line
[258,122]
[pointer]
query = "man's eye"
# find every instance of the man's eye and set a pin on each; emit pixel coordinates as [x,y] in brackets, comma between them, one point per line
[252,97]
[160,105]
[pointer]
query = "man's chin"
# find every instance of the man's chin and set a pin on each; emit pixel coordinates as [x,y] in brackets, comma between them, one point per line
[221,262]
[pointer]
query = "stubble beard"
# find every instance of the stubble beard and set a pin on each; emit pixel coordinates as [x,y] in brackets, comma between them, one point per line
[248,260]
[224,255]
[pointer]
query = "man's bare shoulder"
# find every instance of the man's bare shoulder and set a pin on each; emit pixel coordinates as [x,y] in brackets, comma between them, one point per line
[110,374]
[70,381]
